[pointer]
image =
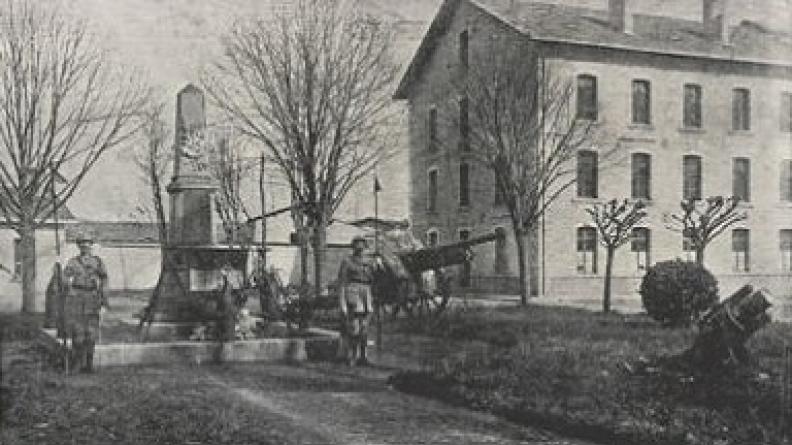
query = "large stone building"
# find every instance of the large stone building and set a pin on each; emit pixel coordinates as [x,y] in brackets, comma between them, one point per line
[699,108]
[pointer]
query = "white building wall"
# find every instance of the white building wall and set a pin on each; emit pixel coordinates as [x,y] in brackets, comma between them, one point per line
[765,145]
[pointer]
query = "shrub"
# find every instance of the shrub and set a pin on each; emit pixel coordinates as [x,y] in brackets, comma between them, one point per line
[678,292]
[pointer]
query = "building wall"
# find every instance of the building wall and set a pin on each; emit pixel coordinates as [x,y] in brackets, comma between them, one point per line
[667,142]
[436,89]
[665,139]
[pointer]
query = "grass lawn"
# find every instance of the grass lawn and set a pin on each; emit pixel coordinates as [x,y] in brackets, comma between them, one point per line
[175,404]
[565,368]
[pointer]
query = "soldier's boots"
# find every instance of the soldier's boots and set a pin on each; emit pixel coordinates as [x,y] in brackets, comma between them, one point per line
[352,350]
[88,363]
[77,357]
[82,357]
[362,360]
[89,354]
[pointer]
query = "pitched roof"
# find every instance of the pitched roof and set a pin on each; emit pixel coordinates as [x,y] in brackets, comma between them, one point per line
[750,42]
[64,214]
[115,232]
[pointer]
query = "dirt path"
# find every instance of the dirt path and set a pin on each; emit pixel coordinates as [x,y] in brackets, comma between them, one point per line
[337,405]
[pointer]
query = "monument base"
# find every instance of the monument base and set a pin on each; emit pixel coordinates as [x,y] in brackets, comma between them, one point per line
[314,344]
[193,278]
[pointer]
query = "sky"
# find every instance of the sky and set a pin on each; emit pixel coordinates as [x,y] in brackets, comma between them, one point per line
[173,40]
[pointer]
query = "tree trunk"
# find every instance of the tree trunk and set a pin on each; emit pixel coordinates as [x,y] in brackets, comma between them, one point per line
[303,256]
[525,276]
[606,294]
[319,239]
[700,256]
[27,245]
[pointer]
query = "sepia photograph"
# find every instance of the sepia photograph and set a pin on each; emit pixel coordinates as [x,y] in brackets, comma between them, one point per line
[396,222]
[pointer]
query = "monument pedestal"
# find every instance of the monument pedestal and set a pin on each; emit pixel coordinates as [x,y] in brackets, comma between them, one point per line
[192,278]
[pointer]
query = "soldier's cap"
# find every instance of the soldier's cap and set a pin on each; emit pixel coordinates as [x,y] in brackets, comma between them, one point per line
[83,238]
[359,239]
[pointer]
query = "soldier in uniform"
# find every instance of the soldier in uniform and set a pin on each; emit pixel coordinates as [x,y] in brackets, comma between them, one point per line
[355,277]
[85,279]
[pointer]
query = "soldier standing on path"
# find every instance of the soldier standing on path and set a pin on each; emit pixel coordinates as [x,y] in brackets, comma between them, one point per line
[85,278]
[355,277]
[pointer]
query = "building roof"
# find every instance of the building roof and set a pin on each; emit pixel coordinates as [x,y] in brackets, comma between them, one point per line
[64,215]
[750,42]
[115,232]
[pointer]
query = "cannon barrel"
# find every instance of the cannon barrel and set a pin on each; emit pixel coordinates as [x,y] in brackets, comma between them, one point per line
[446,255]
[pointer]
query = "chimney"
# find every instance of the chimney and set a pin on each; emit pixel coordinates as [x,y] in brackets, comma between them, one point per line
[620,15]
[716,20]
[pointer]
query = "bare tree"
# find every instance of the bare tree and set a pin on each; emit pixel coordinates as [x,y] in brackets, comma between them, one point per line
[520,127]
[701,221]
[615,221]
[154,159]
[314,87]
[62,108]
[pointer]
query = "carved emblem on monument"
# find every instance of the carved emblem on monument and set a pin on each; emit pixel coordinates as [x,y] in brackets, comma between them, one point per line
[192,188]
[192,138]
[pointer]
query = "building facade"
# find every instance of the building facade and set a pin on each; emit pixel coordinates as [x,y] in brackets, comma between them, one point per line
[697,108]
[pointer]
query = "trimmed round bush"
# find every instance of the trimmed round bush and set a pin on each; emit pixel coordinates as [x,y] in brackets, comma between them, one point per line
[677,292]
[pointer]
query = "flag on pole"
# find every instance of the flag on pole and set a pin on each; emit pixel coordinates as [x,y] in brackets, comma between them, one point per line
[377,186]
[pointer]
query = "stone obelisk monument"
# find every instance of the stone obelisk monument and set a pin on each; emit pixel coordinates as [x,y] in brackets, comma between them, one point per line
[190,250]
[192,216]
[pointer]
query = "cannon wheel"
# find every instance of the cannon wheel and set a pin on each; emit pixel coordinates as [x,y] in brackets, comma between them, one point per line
[421,302]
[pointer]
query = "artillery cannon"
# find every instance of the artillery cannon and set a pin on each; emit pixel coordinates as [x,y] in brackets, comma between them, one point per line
[418,281]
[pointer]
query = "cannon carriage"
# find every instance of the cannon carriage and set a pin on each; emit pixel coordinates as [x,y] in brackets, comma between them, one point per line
[417,280]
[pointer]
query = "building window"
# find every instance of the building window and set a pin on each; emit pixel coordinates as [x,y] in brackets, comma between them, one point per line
[691,186]
[786,112]
[641,176]
[786,250]
[692,110]
[464,280]
[741,178]
[464,125]
[587,174]
[464,54]
[641,247]
[687,245]
[786,180]
[587,97]
[741,245]
[587,250]
[464,184]
[432,128]
[431,190]
[432,238]
[501,258]
[17,259]
[641,102]
[741,109]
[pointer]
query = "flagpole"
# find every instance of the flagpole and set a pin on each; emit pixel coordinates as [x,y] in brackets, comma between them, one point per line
[378,307]
[49,309]
[55,211]
[376,216]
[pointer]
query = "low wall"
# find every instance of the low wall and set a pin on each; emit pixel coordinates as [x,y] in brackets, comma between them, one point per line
[137,267]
